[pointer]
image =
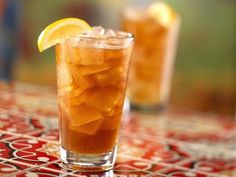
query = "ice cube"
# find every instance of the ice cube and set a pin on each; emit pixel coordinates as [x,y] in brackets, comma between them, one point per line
[73,41]
[82,80]
[72,97]
[115,111]
[90,128]
[73,56]
[71,90]
[90,56]
[118,55]
[96,31]
[110,33]
[113,76]
[111,122]
[63,75]
[76,100]
[88,53]
[104,99]
[87,70]
[80,115]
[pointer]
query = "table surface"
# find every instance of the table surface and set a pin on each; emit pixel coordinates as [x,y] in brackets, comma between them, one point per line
[170,145]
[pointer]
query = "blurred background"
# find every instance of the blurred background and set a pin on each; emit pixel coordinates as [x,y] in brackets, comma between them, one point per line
[205,68]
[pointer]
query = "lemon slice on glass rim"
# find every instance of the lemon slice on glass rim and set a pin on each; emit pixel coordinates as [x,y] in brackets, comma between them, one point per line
[60,30]
[162,12]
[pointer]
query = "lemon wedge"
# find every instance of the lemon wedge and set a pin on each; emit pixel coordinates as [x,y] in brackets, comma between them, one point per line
[162,13]
[59,30]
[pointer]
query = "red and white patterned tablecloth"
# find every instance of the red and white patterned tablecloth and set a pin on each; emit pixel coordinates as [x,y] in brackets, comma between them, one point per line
[171,145]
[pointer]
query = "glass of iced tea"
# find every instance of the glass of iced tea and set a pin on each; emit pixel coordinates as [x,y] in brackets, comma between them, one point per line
[92,70]
[155,29]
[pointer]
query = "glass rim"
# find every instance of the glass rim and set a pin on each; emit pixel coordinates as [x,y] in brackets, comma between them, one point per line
[128,36]
[137,9]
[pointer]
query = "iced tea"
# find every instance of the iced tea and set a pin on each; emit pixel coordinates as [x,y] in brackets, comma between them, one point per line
[155,29]
[92,75]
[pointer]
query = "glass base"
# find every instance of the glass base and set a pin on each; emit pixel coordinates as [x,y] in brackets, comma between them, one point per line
[88,162]
[148,109]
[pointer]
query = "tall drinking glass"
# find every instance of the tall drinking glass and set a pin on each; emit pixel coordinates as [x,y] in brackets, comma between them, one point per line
[155,29]
[92,77]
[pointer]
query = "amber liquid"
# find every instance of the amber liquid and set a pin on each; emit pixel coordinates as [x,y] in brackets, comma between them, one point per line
[152,60]
[91,90]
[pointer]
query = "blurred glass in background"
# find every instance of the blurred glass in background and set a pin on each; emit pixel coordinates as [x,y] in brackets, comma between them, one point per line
[205,69]
[156,30]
